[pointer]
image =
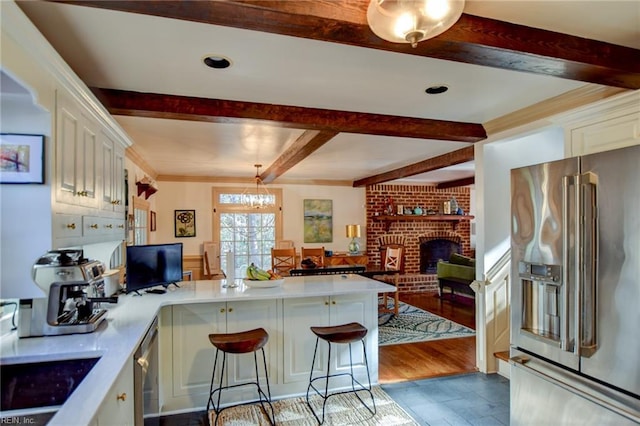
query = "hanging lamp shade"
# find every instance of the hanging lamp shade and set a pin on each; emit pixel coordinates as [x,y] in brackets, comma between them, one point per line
[411,21]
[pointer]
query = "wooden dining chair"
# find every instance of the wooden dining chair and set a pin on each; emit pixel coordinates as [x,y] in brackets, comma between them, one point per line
[283,260]
[392,261]
[315,254]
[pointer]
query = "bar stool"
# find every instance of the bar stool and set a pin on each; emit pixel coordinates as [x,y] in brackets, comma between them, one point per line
[240,343]
[346,333]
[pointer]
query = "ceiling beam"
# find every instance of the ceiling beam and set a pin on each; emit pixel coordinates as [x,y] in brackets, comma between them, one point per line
[456,183]
[456,157]
[473,39]
[306,144]
[154,105]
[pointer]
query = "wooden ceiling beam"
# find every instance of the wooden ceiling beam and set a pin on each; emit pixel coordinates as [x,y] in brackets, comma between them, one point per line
[456,157]
[473,39]
[456,183]
[304,146]
[154,105]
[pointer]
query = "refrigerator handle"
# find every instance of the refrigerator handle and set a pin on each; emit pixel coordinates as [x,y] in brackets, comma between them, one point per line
[567,183]
[589,275]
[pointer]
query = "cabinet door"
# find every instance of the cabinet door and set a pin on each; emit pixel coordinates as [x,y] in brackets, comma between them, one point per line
[106,171]
[249,315]
[76,150]
[86,164]
[118,179]
[118,408]
[67,138]
[299,342]
[345,309]
[616,133]
[192,352]
[111,173]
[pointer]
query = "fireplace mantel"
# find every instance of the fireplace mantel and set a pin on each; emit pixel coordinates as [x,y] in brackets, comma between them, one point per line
[453,218]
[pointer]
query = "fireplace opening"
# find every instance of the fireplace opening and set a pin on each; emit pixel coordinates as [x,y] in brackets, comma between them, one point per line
[436,249]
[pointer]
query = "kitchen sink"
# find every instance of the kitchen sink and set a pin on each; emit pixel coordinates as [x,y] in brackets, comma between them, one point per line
[35,385]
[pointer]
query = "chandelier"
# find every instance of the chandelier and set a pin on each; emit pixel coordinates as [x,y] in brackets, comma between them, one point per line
[411,21]
[258,197]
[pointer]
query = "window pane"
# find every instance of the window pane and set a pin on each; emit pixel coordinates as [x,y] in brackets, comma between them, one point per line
[247,236]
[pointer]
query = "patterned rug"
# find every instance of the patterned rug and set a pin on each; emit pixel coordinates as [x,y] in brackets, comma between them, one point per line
[341,410]
[415,325]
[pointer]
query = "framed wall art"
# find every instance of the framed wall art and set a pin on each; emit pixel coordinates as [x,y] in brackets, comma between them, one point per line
[318,221]
[185,223]
[21,158]
[152,221]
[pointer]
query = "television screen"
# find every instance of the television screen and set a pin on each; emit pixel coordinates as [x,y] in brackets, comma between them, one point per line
[152,265]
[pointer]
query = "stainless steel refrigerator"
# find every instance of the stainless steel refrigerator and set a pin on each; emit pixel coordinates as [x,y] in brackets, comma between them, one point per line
[575,291]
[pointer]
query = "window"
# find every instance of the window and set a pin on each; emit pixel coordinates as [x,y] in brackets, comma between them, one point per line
[247,232]
[139,221]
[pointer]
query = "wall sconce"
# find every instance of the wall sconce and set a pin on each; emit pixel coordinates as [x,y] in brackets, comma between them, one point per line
[353,232]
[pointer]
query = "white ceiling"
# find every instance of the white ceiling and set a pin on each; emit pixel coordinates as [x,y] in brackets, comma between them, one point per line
[149,54]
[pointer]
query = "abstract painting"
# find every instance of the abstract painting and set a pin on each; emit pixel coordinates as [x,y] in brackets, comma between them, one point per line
[318,221]
[21,158]
[185,223]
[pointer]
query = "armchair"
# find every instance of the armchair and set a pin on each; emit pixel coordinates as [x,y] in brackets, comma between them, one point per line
[457,274]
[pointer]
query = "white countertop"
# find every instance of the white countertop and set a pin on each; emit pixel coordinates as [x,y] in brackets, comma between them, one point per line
[117,338]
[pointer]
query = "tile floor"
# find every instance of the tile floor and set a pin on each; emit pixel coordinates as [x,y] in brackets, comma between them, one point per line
[469,399]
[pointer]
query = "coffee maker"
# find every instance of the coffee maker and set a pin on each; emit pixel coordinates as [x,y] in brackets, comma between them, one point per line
[73,288]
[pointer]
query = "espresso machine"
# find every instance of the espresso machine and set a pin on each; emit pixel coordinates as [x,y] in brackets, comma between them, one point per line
[73,288]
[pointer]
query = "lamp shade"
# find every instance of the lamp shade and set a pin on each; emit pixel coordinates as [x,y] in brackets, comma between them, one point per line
[353,231]
[411,21]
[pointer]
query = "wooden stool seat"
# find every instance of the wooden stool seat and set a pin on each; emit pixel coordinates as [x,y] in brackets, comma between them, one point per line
[240,343]
[345,333]
[243,342]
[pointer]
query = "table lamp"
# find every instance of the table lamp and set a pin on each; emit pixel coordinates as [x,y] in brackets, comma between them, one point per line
[353,232]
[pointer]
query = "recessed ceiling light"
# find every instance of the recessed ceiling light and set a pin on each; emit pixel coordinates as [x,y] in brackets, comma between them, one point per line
[217,62]
[435,90]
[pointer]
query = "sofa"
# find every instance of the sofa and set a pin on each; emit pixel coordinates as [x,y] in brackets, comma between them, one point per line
[457,274]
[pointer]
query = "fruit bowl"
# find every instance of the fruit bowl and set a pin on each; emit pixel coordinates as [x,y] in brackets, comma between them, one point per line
[262,283]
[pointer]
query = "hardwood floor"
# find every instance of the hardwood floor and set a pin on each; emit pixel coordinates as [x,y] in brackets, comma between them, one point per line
[412,361]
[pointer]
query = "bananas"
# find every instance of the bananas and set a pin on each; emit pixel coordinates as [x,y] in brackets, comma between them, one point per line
[255,273]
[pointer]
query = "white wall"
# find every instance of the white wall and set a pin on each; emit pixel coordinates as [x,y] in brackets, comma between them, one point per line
[25,210]
[348,208]
[494,177]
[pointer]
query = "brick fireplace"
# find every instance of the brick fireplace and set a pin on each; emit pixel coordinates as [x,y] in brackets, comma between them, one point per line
[416,232]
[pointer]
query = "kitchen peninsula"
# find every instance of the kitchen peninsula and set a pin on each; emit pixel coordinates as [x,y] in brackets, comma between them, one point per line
[187,314]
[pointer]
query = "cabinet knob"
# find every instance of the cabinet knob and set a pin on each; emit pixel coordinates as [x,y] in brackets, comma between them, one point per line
[94,226]
[230,310]
[71,226]
[115,202]
[82,193]
[333,302]
[122,396]
[108,226]
[222,310]
[120,226]
[326,303]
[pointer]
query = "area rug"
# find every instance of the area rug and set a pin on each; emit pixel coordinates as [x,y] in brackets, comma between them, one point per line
[341,410]
[415,325]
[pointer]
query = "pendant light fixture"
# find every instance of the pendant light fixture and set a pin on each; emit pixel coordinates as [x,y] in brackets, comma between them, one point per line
[260,197]
[411,21]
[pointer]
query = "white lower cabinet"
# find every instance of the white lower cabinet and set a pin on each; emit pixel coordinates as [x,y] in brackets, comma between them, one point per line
[299,341]
[118,408]
[191,363]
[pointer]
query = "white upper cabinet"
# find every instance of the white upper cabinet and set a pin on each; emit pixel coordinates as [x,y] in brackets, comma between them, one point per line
[111,167]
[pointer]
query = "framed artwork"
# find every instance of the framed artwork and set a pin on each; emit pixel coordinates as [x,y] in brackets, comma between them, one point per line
[185,223]
[152,221]
[318,221]
[21,158]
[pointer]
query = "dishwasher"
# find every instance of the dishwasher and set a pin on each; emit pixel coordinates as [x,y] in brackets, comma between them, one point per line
[145,379]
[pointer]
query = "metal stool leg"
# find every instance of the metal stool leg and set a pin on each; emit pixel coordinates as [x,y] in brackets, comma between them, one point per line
[262,396]
[326,377]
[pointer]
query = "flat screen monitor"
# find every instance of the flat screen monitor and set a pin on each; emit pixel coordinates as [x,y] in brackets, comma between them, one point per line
[153,265]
